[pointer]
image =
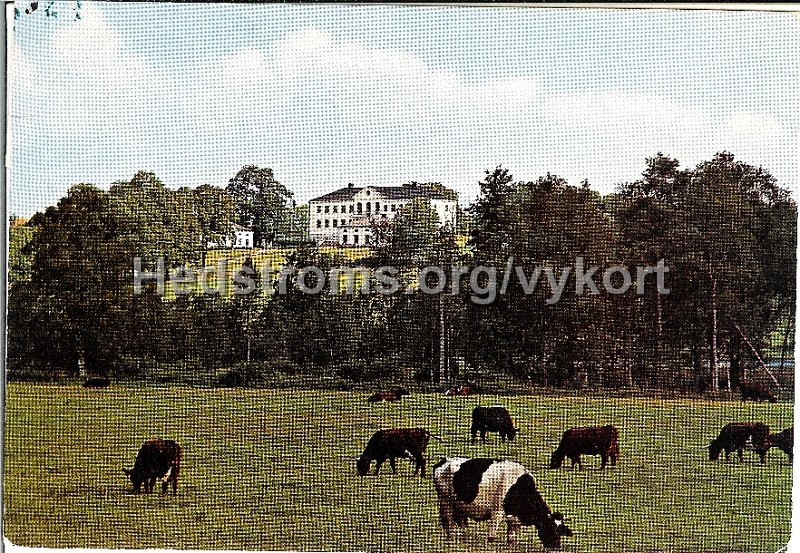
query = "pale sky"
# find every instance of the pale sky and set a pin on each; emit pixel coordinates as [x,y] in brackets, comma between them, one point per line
[327,95]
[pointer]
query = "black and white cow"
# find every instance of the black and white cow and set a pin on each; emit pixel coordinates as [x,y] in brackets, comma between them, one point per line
[497,491]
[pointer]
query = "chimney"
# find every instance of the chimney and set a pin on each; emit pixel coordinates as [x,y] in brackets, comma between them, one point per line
[349,185]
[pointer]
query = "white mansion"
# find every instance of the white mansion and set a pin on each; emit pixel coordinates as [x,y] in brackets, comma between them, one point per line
[345,216]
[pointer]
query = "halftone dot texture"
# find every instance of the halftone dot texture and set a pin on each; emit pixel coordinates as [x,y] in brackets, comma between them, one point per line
[326,95]
[381,96]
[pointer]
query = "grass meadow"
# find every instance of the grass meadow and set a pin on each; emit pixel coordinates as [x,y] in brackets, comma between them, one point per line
[275,470]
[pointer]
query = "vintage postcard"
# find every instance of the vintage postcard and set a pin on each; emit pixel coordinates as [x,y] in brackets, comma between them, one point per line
[395,278]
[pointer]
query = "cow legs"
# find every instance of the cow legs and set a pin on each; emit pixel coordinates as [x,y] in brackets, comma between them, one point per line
[446,518]
[420,461]
[740,453]
[393,465]
[494,525]
[513,529]
[483,436]
[604,460]
[378,462]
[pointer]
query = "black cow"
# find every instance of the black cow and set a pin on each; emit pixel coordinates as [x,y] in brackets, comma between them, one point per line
[497,491]
[737,436]
[756,392]
[393,443]
[590,440]
[783,440]
[156,459]
[492,419]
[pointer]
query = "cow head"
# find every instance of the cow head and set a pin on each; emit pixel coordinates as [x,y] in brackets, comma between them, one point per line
[362,465]
[136,479]
[556,459]
[714,449]
[551,529]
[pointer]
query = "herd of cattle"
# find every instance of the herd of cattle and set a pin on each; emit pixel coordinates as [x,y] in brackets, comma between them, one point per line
[481,489]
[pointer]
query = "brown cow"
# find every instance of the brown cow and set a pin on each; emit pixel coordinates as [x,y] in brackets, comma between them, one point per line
[737,436]
[388,395]
[393,443]
[590,440]
[756,392]
[156,459]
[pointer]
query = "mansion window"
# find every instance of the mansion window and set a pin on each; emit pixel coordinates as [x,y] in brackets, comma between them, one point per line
[319,223]
[355,239]
[327,209]
[336,209]
[351,208]
[319,209]
[344,239]
[327,223]
[335,223]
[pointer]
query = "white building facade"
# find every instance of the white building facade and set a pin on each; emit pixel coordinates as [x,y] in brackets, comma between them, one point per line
[242,238]
[346,216]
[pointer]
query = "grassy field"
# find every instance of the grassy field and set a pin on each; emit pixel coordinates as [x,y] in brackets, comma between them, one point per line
[275,470]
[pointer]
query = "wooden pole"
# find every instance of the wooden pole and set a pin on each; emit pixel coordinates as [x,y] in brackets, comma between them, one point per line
[753,349]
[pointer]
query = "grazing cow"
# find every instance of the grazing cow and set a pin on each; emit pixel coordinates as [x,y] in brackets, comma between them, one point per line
[782,440]
[157,459]
[388,395]
[460,391]
[96,382]
[497,491]
[492,419]
[590,440]
[736,436]
[393,443]
[756,392]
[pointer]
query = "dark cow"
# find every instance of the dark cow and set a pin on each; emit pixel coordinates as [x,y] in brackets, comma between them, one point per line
[756,392]
[497,491]
[388,395]
[96,382]
[492,419]
[393,443]
[464,390]
[782,440]
[737,436]
[157,459]
[590,440]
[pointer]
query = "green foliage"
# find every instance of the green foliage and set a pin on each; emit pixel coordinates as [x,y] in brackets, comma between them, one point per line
[725,229]
[19,262]
[263,205]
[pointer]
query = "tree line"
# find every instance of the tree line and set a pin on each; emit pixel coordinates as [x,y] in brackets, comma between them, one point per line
[726,230]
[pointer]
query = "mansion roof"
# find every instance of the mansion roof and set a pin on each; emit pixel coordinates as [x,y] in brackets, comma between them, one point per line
[388,192]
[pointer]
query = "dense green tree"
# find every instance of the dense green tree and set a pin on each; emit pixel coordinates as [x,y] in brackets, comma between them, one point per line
[263,205]
[216,215]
